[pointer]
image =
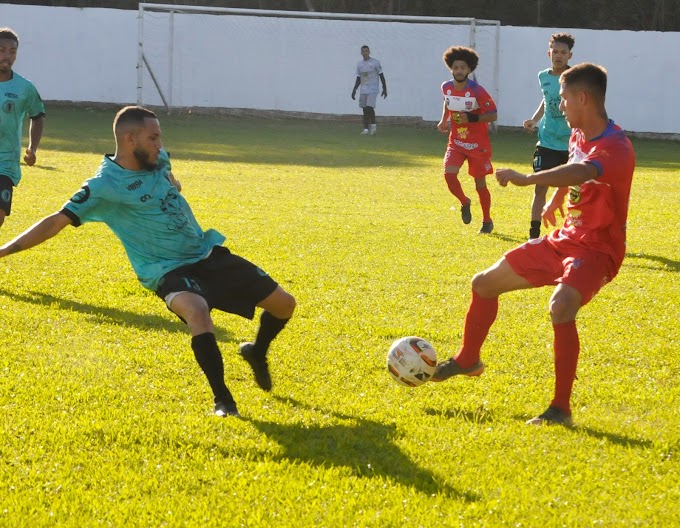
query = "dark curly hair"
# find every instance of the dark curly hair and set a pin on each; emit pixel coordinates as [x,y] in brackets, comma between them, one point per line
[468,55]
[564,38]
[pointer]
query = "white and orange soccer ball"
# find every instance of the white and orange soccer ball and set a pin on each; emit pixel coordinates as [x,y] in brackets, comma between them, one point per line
[411,361]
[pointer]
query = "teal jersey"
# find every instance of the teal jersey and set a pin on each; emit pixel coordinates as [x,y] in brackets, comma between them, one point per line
[553,130]
[18,98]
[149,216]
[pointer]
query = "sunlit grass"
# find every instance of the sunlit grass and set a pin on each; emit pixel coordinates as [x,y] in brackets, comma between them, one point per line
[106,418]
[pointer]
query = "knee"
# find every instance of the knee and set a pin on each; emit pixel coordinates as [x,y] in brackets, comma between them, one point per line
[480,285]
[288,306]
[563,309]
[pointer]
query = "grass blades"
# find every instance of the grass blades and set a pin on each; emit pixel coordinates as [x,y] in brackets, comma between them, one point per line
[106,419]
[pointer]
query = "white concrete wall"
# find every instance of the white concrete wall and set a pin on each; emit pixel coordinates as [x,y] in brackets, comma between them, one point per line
[297,65]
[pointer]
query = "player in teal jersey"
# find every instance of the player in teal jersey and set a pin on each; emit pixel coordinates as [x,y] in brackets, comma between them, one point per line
[135,193]
[552,149]
[18,98]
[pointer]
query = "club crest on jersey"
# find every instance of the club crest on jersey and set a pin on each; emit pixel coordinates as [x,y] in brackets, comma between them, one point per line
[575,194]
[9,106]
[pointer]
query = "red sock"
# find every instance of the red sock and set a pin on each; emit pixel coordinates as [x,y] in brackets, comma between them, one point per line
[455,188]
[566,348]
[485,202]
[480,316]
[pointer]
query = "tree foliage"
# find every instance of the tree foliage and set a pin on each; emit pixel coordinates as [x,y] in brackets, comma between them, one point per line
[636,15]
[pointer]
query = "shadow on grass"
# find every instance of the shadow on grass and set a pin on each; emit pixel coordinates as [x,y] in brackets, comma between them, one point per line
[612,438]
[112,315]
[666,263]
[364,446]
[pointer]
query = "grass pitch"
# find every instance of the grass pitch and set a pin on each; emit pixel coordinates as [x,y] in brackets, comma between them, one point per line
[106,418]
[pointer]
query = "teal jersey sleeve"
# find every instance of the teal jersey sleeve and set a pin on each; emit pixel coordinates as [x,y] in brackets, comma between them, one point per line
[18,98]
[149,216]
[553,130]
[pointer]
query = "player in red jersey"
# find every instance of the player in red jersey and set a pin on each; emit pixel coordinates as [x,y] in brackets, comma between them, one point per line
[469,109]
[579,258]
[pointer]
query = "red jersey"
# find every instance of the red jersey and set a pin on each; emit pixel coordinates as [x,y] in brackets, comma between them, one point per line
[470,138]
[597,210]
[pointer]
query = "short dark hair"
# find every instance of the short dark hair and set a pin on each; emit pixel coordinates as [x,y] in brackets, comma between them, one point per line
[365,47]
[591,77]
[9,34]
[132,115]
[564,38]
[468,55]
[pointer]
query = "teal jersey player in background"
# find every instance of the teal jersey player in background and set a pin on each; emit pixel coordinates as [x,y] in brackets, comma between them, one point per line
[552,149]
[18,98]
[135,193]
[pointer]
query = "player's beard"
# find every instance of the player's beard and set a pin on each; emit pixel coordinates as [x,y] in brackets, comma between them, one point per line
[143,158]
[460,80]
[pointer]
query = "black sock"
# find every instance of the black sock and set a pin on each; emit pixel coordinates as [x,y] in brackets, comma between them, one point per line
[209,357]
[366,117]
[270,327]
[535,230]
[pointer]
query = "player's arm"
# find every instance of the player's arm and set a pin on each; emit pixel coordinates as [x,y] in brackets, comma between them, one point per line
[462,118]
[35,132]
[384,85]
[562,176]
[530,124]
[356,85]
[443,125]
[36,234]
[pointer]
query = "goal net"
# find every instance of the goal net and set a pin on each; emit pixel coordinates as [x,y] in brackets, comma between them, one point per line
[300,64]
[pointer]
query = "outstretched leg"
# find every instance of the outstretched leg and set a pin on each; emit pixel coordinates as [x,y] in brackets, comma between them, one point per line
[194,309]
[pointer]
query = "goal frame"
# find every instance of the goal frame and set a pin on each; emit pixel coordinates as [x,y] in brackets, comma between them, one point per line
[165,90]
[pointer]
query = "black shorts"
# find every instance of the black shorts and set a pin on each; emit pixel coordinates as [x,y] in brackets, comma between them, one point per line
[6,191]
[226,281]
[545,158]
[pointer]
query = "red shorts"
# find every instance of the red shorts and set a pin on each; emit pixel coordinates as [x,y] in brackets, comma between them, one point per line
[545,262]
[477,167]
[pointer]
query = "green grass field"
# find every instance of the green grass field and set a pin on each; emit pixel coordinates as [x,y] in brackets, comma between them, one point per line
[106,419]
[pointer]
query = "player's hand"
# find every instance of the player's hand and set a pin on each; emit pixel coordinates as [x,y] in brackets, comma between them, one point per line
[354,94]
[384,93]
[443,126]
[29,158]
[505,176]
[529,125]
[548,214]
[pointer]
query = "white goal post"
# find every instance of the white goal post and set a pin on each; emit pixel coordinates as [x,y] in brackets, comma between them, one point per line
[298,63]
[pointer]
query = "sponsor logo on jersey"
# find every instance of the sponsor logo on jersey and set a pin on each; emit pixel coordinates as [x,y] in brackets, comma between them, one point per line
[82,195]
[134,185]
[466,146]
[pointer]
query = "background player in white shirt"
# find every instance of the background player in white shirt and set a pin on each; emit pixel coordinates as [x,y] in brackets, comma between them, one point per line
[369,71]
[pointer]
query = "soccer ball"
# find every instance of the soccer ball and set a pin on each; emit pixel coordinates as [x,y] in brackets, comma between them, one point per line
[411,361]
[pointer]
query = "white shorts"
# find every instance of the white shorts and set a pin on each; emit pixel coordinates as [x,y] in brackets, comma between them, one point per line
[368,99]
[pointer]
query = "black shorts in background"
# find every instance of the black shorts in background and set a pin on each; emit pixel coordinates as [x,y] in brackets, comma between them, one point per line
[545,158]
[6,191]
[227,282]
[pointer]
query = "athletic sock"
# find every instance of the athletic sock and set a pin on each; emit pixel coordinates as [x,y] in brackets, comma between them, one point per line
[567,348]
[209,358]
[480,316]
[366,118]
[535,229]
[485,202]
[456,189]
[270,327]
